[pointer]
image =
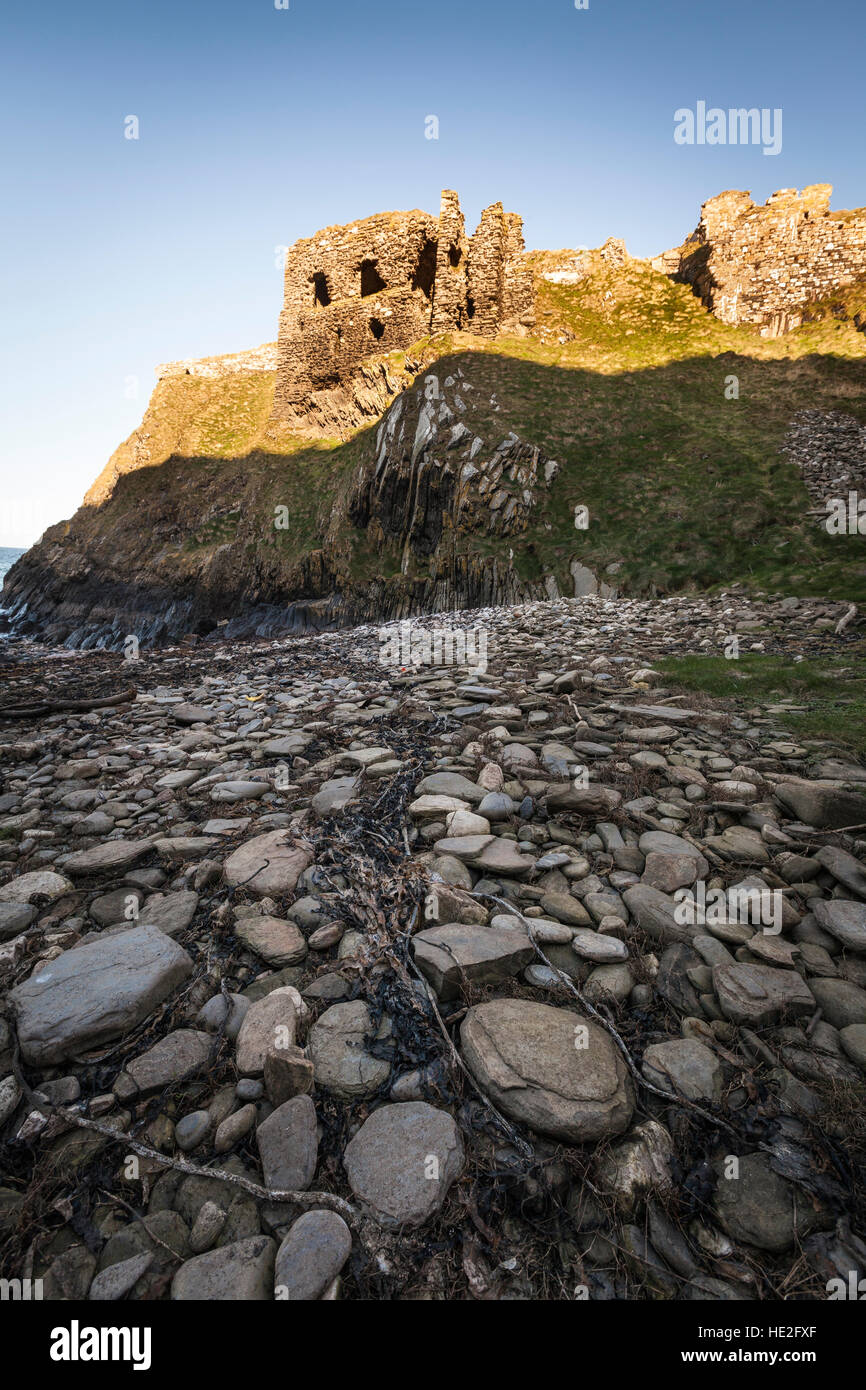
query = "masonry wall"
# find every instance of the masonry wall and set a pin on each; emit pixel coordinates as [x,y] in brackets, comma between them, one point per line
[450,289]
[382,283]
[764,265]
[518,291]
[487,271]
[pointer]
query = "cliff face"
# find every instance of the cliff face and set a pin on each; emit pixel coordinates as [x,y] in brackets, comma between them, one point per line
[175,540]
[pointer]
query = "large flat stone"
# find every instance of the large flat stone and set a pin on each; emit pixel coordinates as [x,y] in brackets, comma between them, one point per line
[821,805]
[402,1161]
[842,1003]
[15,918]
[502,856]
[267,866]
[186,713]
[671,862]
[42,885]
[113,856]
[287,745]
[458,951]
[548,1068]
[668,872]
[171,912]
[435,807]
[311,1256]
[238,790]
[269,1022]
[335,795]
[276,941]
[844,867]
[241,1272]
[337,1047]
[760,994]
[759,1207]
[685,1065]
[451,784]
[185,1052]
[656,915]
[94,993]
[466,848]
[740,844]
[593,800]
[175,780]
[179,848]
[289,1146]
[670,714]
[843,919]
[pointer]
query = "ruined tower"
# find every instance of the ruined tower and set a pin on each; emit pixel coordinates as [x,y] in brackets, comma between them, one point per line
[765,264]
[384,282]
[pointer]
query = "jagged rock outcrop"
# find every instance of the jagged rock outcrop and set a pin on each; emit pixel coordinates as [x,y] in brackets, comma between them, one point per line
[434,478]
[202,559]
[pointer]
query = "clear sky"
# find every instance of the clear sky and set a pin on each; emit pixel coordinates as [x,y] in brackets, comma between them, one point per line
[258,125]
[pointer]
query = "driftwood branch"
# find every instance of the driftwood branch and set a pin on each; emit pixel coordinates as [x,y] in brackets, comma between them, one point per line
[56,706]
[182,1165]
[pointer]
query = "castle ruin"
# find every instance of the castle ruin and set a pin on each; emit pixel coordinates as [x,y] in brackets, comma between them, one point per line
[765,265]
[386,281]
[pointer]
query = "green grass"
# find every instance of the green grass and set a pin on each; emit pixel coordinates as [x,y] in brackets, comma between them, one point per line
[833,690]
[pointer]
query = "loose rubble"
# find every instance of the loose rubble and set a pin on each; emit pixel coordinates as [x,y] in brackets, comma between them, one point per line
[324,977]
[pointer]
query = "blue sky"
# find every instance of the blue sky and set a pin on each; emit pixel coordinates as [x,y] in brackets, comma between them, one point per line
[260,125]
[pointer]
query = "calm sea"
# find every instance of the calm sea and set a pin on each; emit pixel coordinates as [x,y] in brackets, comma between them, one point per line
[8,556]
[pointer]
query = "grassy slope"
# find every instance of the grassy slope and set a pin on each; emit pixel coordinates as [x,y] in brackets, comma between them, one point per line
[823,700]
[684,487]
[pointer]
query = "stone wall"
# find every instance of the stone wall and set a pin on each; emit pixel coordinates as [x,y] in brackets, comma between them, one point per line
[518,291]
[384,282]
[451,284]
[764,265]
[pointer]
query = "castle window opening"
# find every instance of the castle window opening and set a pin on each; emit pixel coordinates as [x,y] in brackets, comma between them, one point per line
[321,297]
[371,280]
[377,328]
[425,270]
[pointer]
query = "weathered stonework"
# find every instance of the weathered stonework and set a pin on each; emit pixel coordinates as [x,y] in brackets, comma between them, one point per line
[451,286]
[765,265]
[382,283]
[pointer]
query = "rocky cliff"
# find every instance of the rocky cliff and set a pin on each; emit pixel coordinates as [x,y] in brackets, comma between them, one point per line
[193,546]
